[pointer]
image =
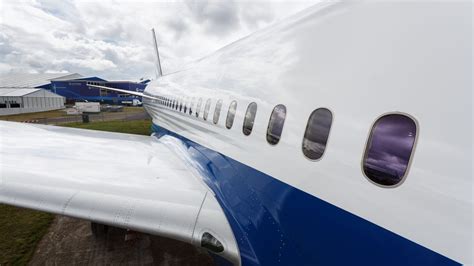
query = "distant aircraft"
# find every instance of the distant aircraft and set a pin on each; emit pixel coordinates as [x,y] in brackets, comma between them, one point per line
[340,136]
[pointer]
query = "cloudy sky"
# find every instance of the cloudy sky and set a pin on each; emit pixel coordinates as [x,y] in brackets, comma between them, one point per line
[112,39]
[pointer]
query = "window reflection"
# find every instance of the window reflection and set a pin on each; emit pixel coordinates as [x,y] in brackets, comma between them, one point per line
[231,115]
[198,107]
[217,111]
[389,149]
[206,109]
[249,118]
[317,133]
[191,106]
[275,125]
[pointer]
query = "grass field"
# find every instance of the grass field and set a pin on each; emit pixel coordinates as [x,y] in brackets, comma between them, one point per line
[22,229]
[55,114]
[140,127]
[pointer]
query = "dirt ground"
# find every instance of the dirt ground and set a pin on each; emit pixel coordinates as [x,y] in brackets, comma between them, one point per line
[70,242]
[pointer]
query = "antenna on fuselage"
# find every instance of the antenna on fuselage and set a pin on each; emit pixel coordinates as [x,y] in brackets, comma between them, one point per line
[159,73]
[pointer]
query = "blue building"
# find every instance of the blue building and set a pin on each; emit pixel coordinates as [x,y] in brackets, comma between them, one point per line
[78,89]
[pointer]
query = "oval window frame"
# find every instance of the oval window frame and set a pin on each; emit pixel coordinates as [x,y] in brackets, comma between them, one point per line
[231,115]
[410,160]
[217,111]
[207,108]
[283,126]
[327,140]
[198,107]
[245,118]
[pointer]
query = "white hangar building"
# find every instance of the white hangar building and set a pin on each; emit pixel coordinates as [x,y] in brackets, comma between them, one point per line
[27,93]
[28,100]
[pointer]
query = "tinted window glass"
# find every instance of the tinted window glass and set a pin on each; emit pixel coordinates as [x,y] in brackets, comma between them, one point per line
[206,109]
[389,149]
[185,107]
[317,133]
[275,125]
[198,107]
[180,106]
[249,118]
[231,115]
[191,106]
[217,111]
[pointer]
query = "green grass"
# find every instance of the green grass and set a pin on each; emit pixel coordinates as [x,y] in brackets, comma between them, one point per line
[32,116]
[22,229]
[58,113]
[140,127]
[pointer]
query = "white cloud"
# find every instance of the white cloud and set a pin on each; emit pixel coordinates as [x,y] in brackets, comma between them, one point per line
[112,39]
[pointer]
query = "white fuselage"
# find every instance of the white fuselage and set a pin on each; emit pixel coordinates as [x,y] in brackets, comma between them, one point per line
[360,61]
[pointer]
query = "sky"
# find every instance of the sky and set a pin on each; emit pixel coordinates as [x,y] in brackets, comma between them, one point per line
[112,39]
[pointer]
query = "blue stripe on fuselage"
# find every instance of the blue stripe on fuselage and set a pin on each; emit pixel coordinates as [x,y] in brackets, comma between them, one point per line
[275,223]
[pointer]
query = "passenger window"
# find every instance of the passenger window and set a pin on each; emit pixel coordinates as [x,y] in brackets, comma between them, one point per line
[185,107]
[206,109]
[180,106]
[198,107]
[275,125]
[249,119]
[389,149]
[191,106]
[231,115]
[217,111]
[317,133]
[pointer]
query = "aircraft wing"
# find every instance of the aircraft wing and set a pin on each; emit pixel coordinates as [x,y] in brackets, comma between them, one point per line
[136,93]
[143,183]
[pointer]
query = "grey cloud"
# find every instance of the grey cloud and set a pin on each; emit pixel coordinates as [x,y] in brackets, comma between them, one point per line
[112,40]
[253,14]
[5,46]
[63,10]
[219,18]
[179,26]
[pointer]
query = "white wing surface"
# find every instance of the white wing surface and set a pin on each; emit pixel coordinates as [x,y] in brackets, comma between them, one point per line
[129,181]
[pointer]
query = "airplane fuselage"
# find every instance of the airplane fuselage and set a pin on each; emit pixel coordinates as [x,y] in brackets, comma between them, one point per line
[360,62]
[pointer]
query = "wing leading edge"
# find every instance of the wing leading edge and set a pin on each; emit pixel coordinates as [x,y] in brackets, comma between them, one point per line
[135,182]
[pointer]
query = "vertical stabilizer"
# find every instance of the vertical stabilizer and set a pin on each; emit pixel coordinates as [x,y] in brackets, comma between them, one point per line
[159,73]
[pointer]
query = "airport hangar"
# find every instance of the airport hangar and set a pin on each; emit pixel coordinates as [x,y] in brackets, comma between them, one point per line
[78,89]
[28,93]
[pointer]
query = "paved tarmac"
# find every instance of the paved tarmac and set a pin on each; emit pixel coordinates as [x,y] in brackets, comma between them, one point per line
[70,242]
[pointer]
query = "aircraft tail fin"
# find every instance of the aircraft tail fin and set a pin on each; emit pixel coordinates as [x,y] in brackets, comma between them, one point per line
[159,73]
